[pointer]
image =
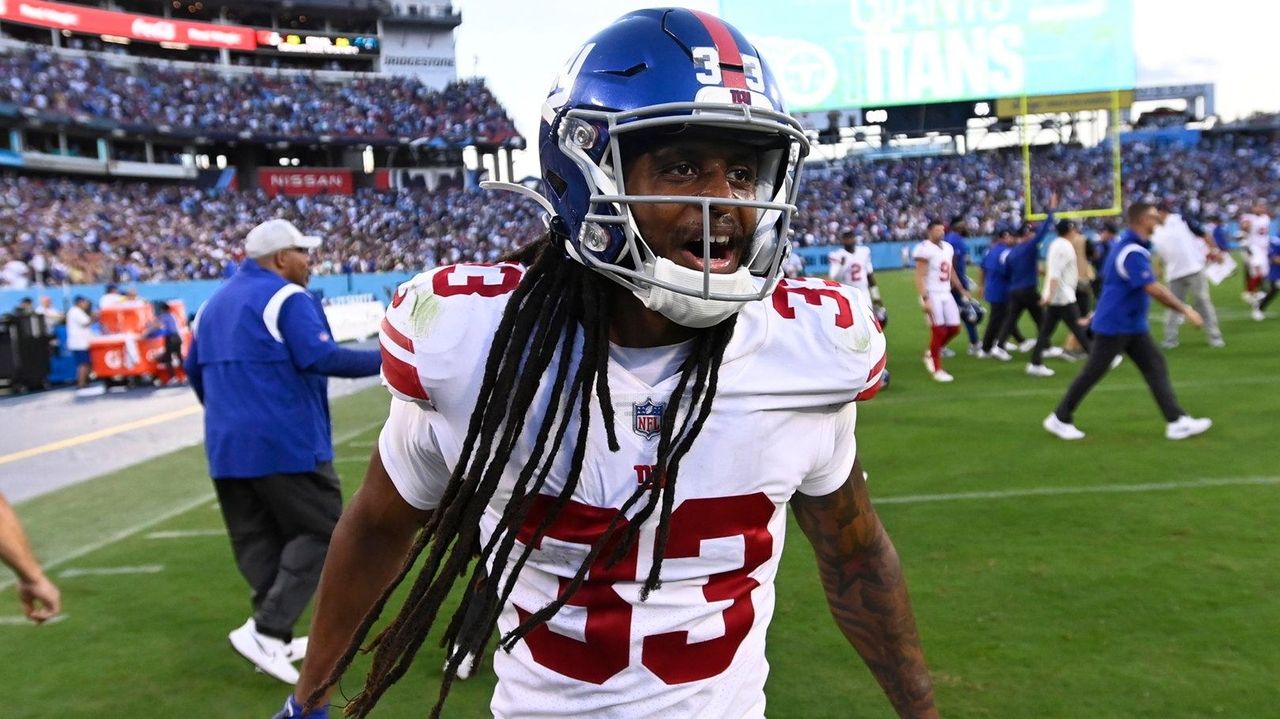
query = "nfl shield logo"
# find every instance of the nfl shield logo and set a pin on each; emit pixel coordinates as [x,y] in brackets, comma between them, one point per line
[646,418]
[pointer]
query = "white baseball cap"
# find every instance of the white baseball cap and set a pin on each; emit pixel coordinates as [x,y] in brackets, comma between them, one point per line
[275,235]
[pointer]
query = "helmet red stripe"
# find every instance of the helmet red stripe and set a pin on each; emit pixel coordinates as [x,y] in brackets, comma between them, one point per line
[726,46]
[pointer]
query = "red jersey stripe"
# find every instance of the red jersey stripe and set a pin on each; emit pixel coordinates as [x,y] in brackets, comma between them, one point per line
[402,376]
[727,48]
[394,335]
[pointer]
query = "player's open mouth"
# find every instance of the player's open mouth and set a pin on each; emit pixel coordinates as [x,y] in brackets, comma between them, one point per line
[723,255]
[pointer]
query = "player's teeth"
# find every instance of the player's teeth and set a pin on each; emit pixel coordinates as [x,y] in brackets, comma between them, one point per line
[719,240]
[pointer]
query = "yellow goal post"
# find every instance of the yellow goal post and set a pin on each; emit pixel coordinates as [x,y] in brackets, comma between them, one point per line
[1116,178]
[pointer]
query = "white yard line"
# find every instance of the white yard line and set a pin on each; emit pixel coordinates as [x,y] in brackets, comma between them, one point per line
[19,620]
[1108,384]
[165,516]
[1093,489]
[186,533]
[110,571]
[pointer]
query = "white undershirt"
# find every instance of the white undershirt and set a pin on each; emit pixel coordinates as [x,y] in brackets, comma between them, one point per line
[651,365]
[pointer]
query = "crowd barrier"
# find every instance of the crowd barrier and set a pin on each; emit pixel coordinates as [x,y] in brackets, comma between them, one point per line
[379,286]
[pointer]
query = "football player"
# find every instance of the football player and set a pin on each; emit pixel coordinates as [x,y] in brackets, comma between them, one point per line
[1256,226]
[601,416]
[1273,277]
[935,282]
[851,265]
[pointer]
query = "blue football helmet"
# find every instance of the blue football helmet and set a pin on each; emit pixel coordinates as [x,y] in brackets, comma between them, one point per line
[971,311]
[666,70]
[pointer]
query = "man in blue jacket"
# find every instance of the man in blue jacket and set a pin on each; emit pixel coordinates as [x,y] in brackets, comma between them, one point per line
[956,237]
[259,363]
[1023,266]
[995,290]
[1120,326]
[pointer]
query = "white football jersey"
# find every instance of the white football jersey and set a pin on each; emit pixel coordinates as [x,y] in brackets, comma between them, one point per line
[851,268]
[695,648]
[1259,233]
[939,257]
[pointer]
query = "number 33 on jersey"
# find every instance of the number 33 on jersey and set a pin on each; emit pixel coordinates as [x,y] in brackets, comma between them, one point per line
[782,421]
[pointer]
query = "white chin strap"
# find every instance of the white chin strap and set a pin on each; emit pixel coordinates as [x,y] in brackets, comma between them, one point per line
[689,310]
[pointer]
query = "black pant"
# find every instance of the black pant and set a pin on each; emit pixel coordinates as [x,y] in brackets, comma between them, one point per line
[1052,316]
[1023,300]
[999,310]
[1144,353]
[280,527]
[1270,296]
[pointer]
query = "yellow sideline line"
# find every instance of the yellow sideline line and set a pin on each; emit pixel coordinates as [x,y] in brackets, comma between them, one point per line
[97,434]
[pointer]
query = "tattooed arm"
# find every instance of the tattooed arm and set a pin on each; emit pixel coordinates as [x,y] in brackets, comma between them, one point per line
[867,592]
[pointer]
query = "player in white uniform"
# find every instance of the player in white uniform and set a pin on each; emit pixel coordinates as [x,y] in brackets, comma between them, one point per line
[1256,226]
[851,265]
[934,282]
[601,418]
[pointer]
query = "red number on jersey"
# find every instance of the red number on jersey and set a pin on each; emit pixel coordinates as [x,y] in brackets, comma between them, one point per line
[813,296]
[944,271]
[606,650]
[671,656]
[855,272]
[476,279]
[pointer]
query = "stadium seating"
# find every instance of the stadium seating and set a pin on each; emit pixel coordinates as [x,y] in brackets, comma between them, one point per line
[147,95]
[78,231]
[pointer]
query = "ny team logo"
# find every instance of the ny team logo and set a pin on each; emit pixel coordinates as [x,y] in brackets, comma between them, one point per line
[646,417]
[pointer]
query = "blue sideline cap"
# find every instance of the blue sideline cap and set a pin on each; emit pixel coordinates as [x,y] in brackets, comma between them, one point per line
[275,235]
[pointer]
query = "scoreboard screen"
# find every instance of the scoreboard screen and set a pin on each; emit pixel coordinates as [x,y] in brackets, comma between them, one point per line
[834,54]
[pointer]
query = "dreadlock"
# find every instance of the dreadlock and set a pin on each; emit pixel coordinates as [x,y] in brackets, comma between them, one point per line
[557,299]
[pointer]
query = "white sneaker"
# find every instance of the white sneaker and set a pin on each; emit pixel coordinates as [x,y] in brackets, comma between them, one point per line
[296,650]
[975,350]
[928,364]
[466,668]
[268,654]
[1217,343]
[980,354]
[1052,352]
[1062,429]
[948,352]
[1039,370]
[1000,354]
[1116,362]
[1258,314]
[942,376]
[1027,345]
[1186,426]
[1010,346]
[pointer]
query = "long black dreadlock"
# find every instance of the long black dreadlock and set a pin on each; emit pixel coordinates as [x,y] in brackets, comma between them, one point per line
[557,299]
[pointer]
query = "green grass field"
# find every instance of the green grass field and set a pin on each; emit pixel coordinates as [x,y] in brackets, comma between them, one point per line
[1123,576]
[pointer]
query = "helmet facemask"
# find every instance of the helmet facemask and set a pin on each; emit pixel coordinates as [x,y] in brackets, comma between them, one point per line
[615,137]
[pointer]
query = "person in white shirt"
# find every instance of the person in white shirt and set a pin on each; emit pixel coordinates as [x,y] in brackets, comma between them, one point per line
[1256,226]
[79,322]
[1183,249]
[1061,277]
[110,297]
[934,282]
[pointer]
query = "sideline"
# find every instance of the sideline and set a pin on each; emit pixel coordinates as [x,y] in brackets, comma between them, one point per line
[99,434]
[203,499]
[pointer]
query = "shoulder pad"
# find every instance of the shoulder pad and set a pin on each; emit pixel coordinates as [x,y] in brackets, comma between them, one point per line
[439,320]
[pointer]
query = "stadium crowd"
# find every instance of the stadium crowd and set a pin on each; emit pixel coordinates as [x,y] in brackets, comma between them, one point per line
[76,231]
[268,105]
[894,200]
[72,231]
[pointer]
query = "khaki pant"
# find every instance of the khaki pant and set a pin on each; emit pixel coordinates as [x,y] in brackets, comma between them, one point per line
[1194,290]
